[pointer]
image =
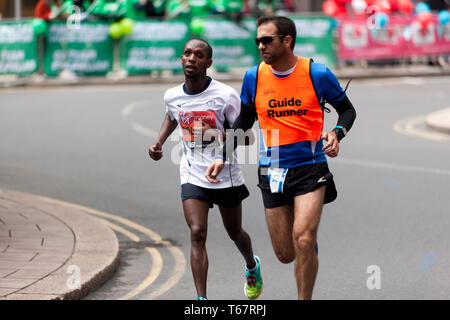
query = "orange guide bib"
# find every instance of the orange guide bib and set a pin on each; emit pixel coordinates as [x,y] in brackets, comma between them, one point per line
[288,109]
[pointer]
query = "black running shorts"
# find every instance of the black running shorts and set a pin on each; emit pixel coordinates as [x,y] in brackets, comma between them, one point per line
[279,187]
[226,197]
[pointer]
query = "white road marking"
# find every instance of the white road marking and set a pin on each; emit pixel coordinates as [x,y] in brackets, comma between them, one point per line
[413,81]
[388,81]
[393,166]
[128,109]
[144,130]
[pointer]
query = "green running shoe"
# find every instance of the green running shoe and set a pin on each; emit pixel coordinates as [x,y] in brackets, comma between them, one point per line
[254,282]
[201,298]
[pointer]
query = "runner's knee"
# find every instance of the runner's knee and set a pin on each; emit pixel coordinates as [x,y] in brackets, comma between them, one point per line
[198,233]
[304,241]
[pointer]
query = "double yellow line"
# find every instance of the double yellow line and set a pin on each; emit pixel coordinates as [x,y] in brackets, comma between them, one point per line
[157,261]
[408,126]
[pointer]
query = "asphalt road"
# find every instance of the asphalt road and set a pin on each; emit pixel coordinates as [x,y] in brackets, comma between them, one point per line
[385,237]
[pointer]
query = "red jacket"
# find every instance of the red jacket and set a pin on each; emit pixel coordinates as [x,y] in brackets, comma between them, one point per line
[43,11]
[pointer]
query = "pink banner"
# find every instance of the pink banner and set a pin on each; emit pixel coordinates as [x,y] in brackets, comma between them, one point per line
[402,37]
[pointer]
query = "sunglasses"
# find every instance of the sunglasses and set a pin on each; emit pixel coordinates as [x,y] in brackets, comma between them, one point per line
[266,39]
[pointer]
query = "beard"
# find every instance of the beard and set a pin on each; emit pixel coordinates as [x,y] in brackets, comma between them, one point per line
[268,59]
[271,57]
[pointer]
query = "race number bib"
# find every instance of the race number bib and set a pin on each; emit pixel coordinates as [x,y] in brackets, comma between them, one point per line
[194,127]
[276,179]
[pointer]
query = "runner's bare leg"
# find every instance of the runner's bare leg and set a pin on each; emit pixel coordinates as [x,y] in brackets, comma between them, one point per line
[279,222]
[196,214]
[307,209]
[232,220]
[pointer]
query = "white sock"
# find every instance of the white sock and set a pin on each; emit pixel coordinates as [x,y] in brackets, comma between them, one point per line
[254,268]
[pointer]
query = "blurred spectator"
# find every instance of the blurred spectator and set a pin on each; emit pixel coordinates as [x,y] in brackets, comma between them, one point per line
[199,8]
[186,9]
[227,6]
[155,8]
[82,4]
[288,5]
[47,9]
[141,9]
[136,9]
[177,9]
[438,5]
[231,9]
[269,7]
[109,9]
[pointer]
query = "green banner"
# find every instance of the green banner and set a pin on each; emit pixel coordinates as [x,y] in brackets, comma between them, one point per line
[88,49]
[315,39]
[153,45]
[84,49]
[232,44]
[156,45]
[18,48]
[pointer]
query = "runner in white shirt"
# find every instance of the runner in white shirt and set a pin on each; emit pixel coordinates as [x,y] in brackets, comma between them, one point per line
[213,110]
[203,109]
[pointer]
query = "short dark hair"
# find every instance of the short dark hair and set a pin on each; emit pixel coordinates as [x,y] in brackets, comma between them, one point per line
[209,50]
[285,26]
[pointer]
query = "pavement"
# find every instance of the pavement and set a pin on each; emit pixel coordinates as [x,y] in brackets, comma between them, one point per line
[50,251]
[439,121]
[120,77]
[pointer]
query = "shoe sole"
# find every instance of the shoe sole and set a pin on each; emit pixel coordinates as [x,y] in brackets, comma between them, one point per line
[245,292]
